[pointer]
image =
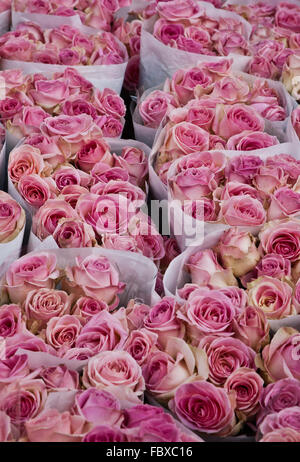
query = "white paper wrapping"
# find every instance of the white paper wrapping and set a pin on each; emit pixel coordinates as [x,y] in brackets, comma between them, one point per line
[5,21]
[101,76]
[176,276]
[45,21]
[12,249]
[193,230]
[11,142]
[159,61]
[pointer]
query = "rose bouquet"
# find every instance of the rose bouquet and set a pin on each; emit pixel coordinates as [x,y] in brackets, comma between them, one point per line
[29,99]
[99,57]
[186,32]
[93,13]
[12,226]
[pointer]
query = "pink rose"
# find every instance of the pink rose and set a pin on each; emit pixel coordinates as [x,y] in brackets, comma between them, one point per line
[275,266]
[108,102]
[48,216]
[162,320]
[284,202]
[17,48]
[68,175]
[10,320]
[92,152]
[281,356]
[135,415]
[168,33]
[12,218]
[243,168]
[286,418]
[252,328]
[228,41]
[13,369]
[70,128]
[79,106]
[87,307]
[94,276]
[232,120]
[226,355]
[52,426]
[9,107]
[134,195]
[203,407]
[231,89]
[154,107]
[23,400]
[131,79]
[59,378]
[48,148]
[114,368]
[288,18]
[49,93]
[71,194]
[24,160]
[185,138]
[193,183]
[117,242]
[110,126]
[281,238]
[248,386]
[247,141]
[233,189]
[185,82]
[36,190]
[135,162]
[98,406]
[71,233]
[30,272]
[287,163]
[243,211]
[140,344]
[62,332]
[162,428]
[103,173]
[103,332]
[282,435]
[177,10]
[135,314]
[269,178]
[105,434]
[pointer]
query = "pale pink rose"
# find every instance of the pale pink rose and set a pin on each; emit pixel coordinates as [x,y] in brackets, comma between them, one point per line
[200,116]
[12,218]
[62,331]
[108,102]
[28,121]
[231,89]
[274,265]
[233,189]
[288,18]
[48,216]
[59,378]
[114,369]
[232,120]
[39,6]
[18,48]
[14,368]
[108,213]
[36,190]
[70,128]
[172,250]
[117,242]
[87,307]
[243,168]
[287,163]
[252,328]
[132,193]
[177,10]
[237,250]
[206,271]
[140,344]
[226,355]
[229,41]
[166,32]
[218,407]
[110,126]
[250,141]
[135,415]
[162,428]
[285,418]
[24,160]
[92,152]
[23,400]
[284,202]
[185,82]
[269,178]
[10,320]
[248,386]
[103,332]
[103,173]
[9,107]
[30,272]
[135,314]
[79,106]
[243,211]
[80,354]
[99,406]
[43,304]
[193,183]
[185,138]
[105,434]
[71,194]
[215,161]
[274,113]
[68,175]
[49,93]
[207,312]
[46,56]
[155,106]
[26,341]
[71,233]
[48,148]
[96,277]
[162,320]
[281,238]
[13,78]
[282,435]
[52,426]
[281,356]
[135,162]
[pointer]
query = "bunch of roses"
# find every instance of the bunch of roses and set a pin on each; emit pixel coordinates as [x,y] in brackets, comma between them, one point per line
[186,26]
[203,87]
[129,33]
[295,119]
[69,313]
[93,13]
[12,218]
[64,45]
[267,267]
[275,35]
[242,190]
[29,99]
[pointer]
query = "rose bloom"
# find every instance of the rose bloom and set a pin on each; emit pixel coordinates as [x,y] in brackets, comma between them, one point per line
[232,120]
[74,234]
[275,266]
[248,386]
[52,426]
[49,93]
[162,320]
[243,168]
[136,312]
[70,128]
[281,356]
[12,218]
[24,160]
[203,407]
[62,332]
[114,368]
[36,190]
[154,108]
[281,238]
[30,272]
[286,418]
[237,250]
[13,369]
[226,355]
[60,377]
[282,435]
[243,211]
[46,219]
[87,307]
[23,400]
[94,276]
[193,183]
[252,328]
[92,152]
[43,304]
[105,434]
[135,162]
[162,428]
[98,406]
[284,202]
[250,141]
[103,332]
[140,343]
[185,82]
[184,138]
